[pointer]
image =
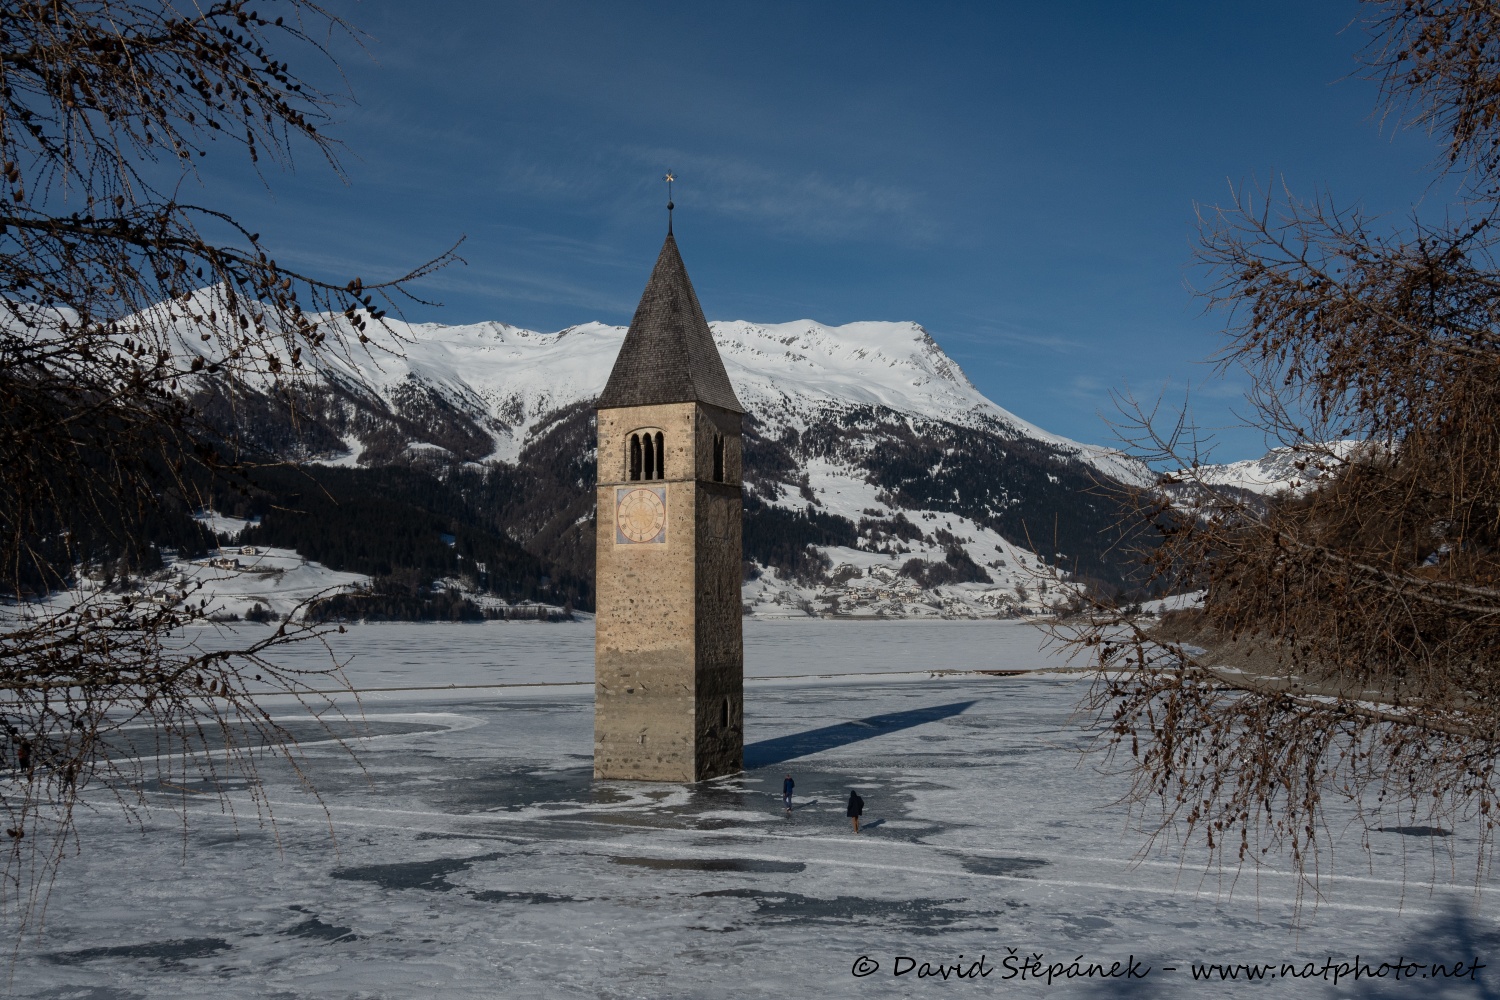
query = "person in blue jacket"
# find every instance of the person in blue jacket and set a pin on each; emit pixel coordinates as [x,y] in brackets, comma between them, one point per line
[786,793]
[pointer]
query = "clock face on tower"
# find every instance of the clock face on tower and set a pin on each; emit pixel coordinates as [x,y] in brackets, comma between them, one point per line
[640,515]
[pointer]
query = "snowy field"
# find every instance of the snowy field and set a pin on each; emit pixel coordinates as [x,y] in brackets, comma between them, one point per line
[473,856]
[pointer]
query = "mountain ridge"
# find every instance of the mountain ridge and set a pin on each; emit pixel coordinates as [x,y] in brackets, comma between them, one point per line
[879,479]
[508,378]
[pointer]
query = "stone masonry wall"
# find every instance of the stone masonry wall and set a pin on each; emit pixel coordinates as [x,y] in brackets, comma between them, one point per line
[720,644]
[668,649]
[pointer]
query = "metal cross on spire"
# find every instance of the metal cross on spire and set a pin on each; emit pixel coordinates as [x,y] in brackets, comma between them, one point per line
[669,179]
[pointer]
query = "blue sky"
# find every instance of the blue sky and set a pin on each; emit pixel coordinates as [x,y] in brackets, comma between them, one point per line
[1020,179]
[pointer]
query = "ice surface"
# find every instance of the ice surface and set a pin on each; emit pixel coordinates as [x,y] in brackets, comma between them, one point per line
[400,655]
[473,856]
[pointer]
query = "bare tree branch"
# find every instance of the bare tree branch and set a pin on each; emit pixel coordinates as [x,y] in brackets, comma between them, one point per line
[116,299]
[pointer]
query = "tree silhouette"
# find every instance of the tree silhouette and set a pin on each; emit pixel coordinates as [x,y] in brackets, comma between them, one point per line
[116,297]
[1347,642]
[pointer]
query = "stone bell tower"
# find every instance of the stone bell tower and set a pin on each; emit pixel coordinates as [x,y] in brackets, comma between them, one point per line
[669,652]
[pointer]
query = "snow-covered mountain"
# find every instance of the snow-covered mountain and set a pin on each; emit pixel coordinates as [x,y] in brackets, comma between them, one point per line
[509,380]
[919,494]
[1278,470]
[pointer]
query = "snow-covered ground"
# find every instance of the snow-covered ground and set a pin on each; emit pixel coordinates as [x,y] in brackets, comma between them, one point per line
[231,581]
[222,524]
[1176,602]
[238,578]
[861,583]
[1278,470]
[473,856]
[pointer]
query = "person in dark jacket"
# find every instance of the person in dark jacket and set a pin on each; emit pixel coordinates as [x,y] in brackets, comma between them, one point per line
[856,806]
[786,793]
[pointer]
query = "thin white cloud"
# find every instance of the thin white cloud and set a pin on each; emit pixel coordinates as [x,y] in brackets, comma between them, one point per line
[511,285]
[988,332]
[805,204]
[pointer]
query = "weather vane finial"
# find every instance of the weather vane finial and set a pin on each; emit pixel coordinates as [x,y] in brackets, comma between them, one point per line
[669,179]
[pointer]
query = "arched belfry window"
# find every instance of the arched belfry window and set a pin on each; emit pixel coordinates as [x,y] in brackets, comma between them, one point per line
[718,458]
[648,455]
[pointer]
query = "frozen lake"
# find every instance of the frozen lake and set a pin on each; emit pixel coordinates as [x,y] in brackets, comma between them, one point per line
[472,854]
[404,655]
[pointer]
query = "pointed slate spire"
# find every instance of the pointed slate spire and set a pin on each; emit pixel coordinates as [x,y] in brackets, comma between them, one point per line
[669,354]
